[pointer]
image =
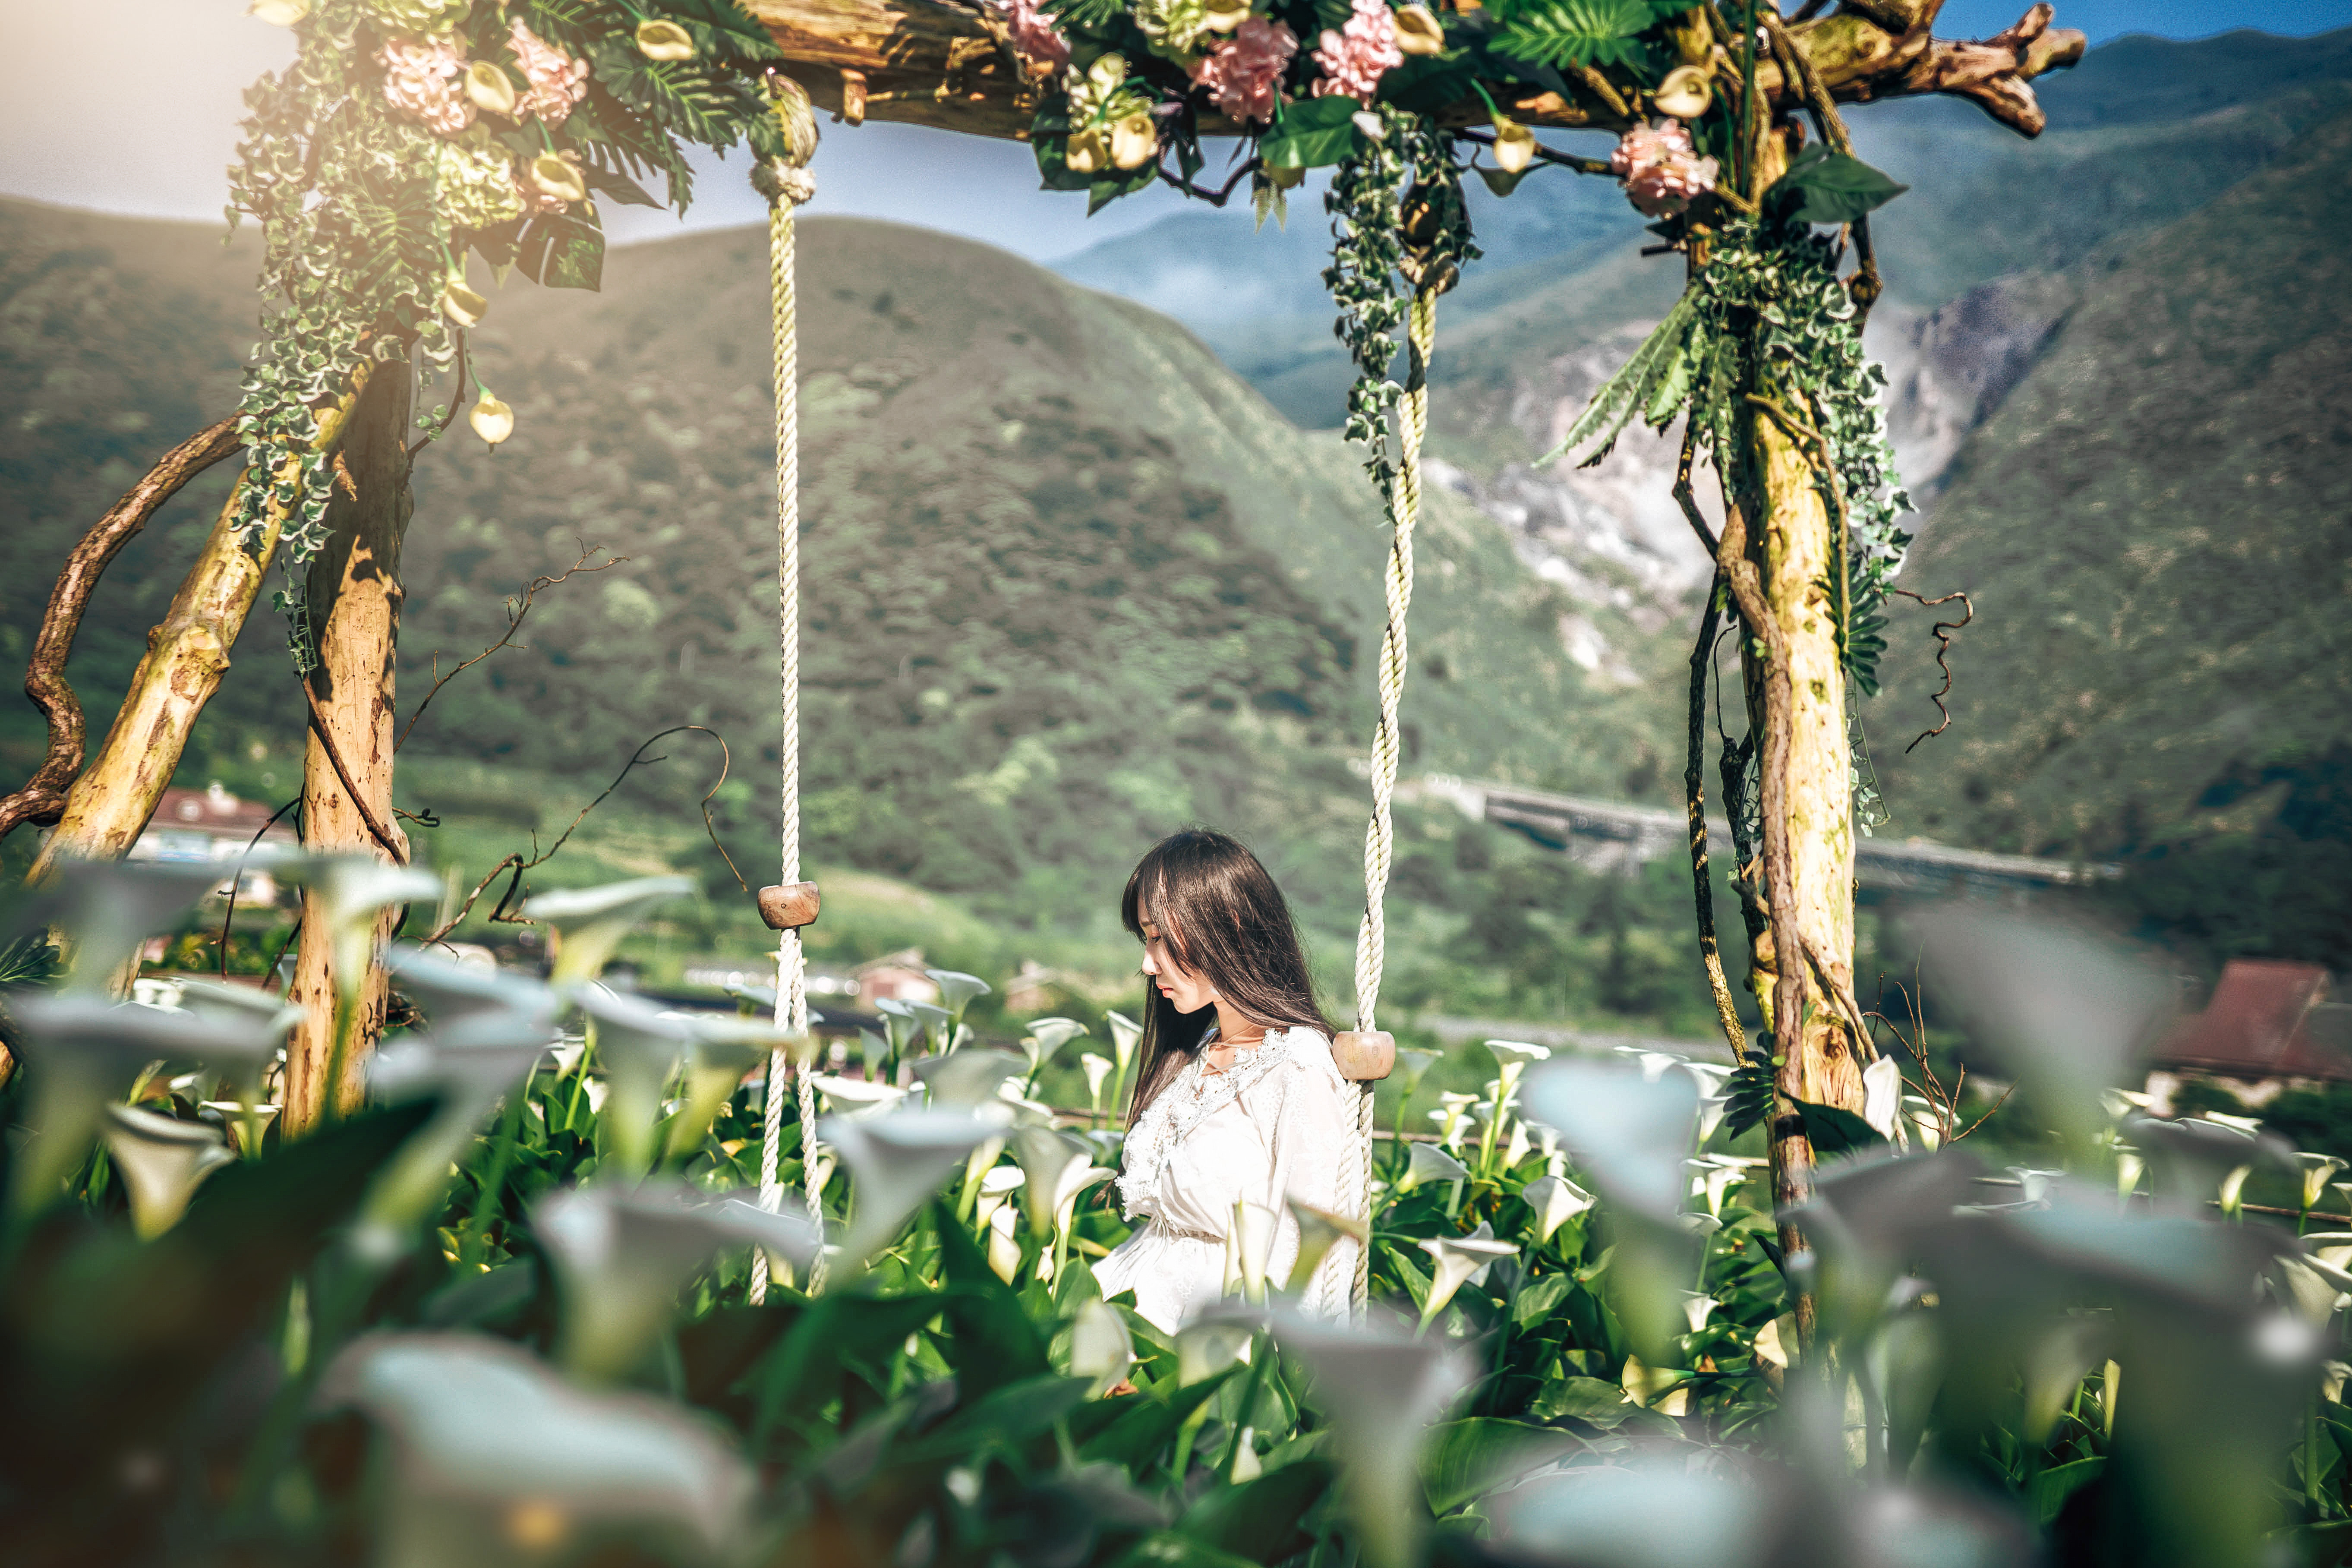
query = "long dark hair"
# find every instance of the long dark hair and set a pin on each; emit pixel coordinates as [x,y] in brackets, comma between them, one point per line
[1222,918]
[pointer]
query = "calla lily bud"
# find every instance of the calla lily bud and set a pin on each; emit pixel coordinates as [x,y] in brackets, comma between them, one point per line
[279,12]
[558,178]
[461,304]
[1418,31]
[663,41]
[1283,176]
[1224,15]
[163,1162]
[1134,141]
[1684,94]
[1107,73]
[493,421]
[1515,145]
[1088,151]
[490,88]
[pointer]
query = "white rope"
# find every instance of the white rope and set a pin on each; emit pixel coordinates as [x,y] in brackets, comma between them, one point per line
[789,185]
[1379,834]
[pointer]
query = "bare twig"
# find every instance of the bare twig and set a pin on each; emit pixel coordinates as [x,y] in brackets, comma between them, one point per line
[517,609]
[1217,197]
[1544,154]
[237,876]
[1710,949]
[43,798]
[1943,631]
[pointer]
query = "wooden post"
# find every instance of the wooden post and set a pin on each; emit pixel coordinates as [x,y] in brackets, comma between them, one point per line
[355,592]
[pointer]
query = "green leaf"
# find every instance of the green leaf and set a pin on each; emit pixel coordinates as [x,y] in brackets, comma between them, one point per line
[1587,1399]
[1311,133]
[1169,1548]
[1537,1299]
[1748,1094]
[830,1342]
[1822,186]
[2052,1487]
[1143,1431]
[1464,1461]
[990,1341]
[1833,1130]
[1425,84]
[1634,388]
[1573,32]
[1010,1415]
[561,251]
[618,187]
[1259,1520]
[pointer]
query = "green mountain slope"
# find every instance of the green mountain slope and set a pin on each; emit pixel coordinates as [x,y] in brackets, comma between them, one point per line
[1069,583]
[2153,526]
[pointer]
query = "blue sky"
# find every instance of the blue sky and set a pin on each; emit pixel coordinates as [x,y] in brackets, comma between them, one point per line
[175,67]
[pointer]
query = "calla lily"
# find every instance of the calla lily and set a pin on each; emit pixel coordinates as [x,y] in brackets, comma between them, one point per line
[900,1025]
[1209,1344]
[461,304]
[1247,1241]
[1418,31]
[1698,1308]
[1517,1148]
[1654,1387]
[108,907]
[1088,151]
[957,989]
[1049,1161]
[1713,1175]
[1556,1200]
[1379,1387]
[1711,1108]
[640,1047]
[163,1162]
[490,88]
[1134,141]
[660,40]
[1429,1163]
[470,1063]
[2330,1247]
[1101,1347]
[2122,1103]
[1654,1064]
[1882,1105]
[1684,94]
[1124,1033]
[2317,1170]
[1515,1057]
[2034,1184]
[968,1077]
[354,890]
[721,1055]
[857,1096]
[1775,1340]
[247,1124]
[1047,1036]
[621,1253]
[1927,1122]
[1454,1105]
[1633,1131]
[898,1160]
[82,1052]
[936,1021]
[997,1185]
[492,420]
[497,1458]
[2129,1169]
[1003,1244]
[2314,1289]
[452,993]
[591,922]
[248,1005]
[2249,1125]
[2200,1159]
[1319,1230]
[279,12]
[2053,1365]
[1456,1259]
[1412,1067]
[1098,1069]
[559,178]
[2331,1381]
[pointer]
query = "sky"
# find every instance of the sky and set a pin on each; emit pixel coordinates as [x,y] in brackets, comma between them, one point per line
[174,70]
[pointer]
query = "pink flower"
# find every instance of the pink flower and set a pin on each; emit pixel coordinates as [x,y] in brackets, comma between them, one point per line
[425,81]
[557,80]
[1660,168]
[1354,56]
[1033,37]
[1243,72]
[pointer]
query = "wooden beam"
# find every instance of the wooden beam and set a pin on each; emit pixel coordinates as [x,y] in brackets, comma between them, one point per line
[933,62]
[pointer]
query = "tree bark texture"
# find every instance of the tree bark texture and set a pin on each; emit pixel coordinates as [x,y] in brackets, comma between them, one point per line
[187,653]
[354,592]
[930,62]
[43,798]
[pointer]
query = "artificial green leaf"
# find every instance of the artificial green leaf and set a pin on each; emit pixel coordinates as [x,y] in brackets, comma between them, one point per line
[1464,1461]
[1749,1097]
[991,1340]
[1425,84]
[1822,186]
[1833,1130]
[561,251]
[1259,1520]
[1572,32]
[1310,134]
[1631,389]
[618,187]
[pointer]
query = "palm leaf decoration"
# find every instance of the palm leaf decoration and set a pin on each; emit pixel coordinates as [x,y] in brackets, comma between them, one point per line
[1655,384]
[1574,32]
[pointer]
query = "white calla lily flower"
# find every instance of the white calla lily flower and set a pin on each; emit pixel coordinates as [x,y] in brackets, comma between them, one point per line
[898,1160]
[1379,1387]
[1455,1259]
[1556,1200]
[163,1162]
[1430,1162]
[1101,1346]
[591,922]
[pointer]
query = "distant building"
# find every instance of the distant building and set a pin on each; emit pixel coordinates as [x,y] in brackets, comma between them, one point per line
[2268,1027]
[897,978]
[210,823]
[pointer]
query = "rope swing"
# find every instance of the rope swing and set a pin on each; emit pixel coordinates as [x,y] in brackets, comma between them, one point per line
[786,183]
[1365,1055]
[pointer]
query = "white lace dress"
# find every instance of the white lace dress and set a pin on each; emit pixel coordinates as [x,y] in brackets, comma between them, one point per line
[1280,1123]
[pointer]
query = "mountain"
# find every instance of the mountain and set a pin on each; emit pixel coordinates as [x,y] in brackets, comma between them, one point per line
[1069,583]
[2152,525]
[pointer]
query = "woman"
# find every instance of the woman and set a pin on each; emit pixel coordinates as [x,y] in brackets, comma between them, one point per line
[1237,1101]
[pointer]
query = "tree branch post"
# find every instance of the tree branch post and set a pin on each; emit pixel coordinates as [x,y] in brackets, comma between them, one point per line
[354,591]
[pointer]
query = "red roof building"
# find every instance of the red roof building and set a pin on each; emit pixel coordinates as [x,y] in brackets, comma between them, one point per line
[2268,1021]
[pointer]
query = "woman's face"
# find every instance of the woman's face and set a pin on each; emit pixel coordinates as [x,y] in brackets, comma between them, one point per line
[1188,990]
